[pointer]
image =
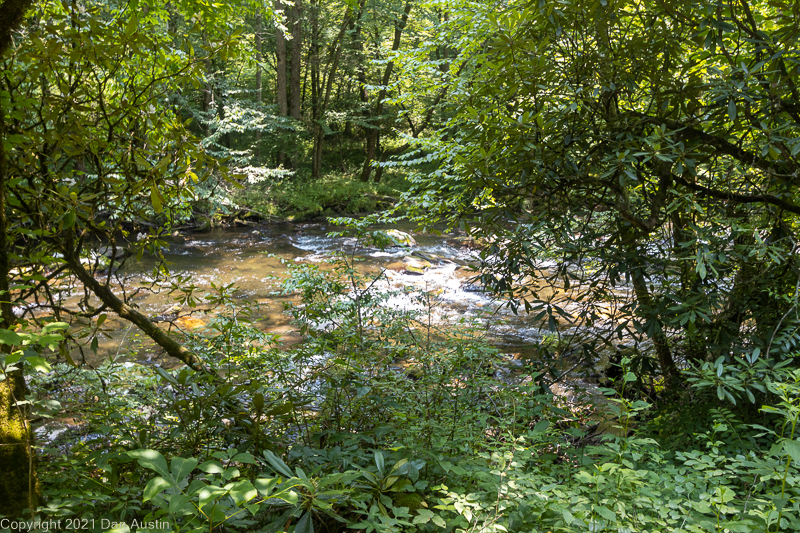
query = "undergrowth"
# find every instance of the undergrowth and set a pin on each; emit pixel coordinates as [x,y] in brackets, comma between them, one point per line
[299,198]
[381,421]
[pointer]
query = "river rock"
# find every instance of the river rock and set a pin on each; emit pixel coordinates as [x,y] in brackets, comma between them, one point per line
[415,266]
[473,287]
[401,238]
[190,322]
[397,266]
[431,258]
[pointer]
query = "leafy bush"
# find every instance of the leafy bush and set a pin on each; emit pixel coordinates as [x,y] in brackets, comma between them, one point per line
[381,421]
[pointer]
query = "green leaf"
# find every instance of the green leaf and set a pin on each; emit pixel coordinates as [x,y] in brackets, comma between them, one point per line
[152,460]
[163,163]
[62,349]
[276,463]
[155,198]
[40,364]
[264,486]
[399,466]
[792,447]
[211,494]
[289,496]
[242,492]
[732,109]
[439,521]
[701,269]
[305,524]
[541,426]
[9,337]
[724,494]
[424,516]
[182,468]
[211,467]
[180,504]
[133,23]
[606,513]
[155,486]
[69,220]
[379,462]
[245,458]
[55,326]
[166,375]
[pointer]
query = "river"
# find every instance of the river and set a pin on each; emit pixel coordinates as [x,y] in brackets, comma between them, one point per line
[255,260]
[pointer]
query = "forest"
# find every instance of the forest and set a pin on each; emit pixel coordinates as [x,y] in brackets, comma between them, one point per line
[400,266]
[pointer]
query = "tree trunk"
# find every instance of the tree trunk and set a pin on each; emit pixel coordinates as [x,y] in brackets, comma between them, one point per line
[208,90]
[660,341]
[322,84]
[296,61]
[259,81]
[373,135]
[295,69]
[280,67]
[316,113]
[18,482]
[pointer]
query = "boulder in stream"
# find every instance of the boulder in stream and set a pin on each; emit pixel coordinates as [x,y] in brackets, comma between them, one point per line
[401,238]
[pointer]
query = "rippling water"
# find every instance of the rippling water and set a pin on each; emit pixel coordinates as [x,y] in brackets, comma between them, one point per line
[255,260]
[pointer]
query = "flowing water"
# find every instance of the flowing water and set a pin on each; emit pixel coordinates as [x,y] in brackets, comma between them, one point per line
[255,260]
[434,273]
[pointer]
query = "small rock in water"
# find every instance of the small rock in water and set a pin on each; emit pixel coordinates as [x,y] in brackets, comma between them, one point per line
[415,266]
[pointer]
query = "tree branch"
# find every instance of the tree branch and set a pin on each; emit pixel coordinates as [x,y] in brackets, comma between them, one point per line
[723,146]
[106,295]
[740,198]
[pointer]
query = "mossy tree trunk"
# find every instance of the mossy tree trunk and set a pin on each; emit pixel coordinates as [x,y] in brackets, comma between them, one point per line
[18,483]
[17,473]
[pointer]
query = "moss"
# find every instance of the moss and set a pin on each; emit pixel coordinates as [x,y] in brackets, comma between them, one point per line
[15,458]
[412,500]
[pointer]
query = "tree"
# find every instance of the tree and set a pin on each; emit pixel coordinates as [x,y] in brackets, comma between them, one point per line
[18,485]
[322,77]
[90,148]
[651,147]
[280,76]
[373,134]
[296,60]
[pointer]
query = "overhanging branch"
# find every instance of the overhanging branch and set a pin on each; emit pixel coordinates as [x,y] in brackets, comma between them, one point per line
[740,198]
